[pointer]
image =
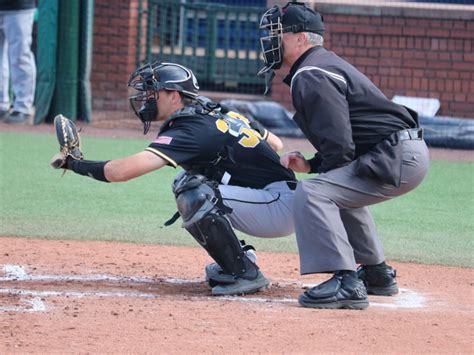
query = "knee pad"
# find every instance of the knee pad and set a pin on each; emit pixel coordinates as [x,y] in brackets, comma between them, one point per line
[196,196]
[215,234]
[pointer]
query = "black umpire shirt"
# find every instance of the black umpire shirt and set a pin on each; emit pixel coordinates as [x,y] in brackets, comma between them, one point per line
[341,112]
[222,147]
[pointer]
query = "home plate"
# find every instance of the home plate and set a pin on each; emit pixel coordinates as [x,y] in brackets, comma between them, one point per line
[406,298]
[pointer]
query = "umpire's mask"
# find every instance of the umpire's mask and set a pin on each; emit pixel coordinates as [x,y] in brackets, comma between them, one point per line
[271,30]
[293,17]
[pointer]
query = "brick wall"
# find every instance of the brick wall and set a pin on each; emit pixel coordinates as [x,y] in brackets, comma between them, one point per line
[419,52]
[412,51]
[115,43]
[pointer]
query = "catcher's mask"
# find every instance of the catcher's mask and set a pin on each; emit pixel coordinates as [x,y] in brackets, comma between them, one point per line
[293,17]
[148,80]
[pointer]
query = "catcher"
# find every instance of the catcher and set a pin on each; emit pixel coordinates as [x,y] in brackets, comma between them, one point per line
[232,176]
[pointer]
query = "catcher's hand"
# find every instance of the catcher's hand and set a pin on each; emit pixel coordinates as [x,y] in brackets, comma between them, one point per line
[69,142]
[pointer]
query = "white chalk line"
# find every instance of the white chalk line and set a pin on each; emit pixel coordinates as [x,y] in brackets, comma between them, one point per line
[18,273]
[34,304]
[76,294]
[407,299]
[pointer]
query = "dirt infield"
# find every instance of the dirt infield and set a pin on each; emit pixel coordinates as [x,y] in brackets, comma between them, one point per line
[104,297]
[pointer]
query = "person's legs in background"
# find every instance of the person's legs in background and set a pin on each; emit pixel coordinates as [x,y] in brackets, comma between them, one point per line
[4,72]
[18,28]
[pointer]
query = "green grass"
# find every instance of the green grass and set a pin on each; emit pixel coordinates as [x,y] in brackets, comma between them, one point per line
[432,225]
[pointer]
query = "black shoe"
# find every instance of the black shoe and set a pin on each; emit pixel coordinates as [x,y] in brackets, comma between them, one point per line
[4,114]
[343,290]
[242,286]
[215,275]
[379,279]
[18,118]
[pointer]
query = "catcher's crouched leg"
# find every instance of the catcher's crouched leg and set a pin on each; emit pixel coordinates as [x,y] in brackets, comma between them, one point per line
[198,205]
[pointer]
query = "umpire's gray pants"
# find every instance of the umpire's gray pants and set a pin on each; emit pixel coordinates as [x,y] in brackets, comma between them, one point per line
[334,227]
[266,213]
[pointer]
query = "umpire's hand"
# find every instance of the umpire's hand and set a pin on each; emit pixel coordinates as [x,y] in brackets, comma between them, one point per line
[295,161]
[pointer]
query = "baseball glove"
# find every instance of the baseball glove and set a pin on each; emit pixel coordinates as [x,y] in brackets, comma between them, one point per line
[69,142]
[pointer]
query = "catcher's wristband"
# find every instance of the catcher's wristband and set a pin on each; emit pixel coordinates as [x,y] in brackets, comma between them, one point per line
[257,126]
[91,168]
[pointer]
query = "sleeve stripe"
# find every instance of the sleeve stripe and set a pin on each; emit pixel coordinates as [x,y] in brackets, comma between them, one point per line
[265,134]
[162,155]
[331,74]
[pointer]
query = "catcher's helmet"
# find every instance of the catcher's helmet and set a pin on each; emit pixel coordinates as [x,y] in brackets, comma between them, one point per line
[151,78]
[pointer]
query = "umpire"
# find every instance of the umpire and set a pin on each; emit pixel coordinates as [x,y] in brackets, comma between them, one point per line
[369,150]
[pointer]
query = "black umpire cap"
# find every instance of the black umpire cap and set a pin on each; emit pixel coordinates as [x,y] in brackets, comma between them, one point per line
[298,17]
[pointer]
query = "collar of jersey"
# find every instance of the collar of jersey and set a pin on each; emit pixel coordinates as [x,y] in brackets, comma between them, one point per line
[296,65]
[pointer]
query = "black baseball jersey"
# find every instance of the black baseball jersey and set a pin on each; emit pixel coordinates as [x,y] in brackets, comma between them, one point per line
[221,147]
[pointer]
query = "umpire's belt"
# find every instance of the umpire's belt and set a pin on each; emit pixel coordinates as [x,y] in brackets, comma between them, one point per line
[413,134]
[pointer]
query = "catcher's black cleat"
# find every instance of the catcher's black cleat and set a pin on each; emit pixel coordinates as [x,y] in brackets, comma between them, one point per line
[379,279]
[215,275]
[242,286]
[344,290]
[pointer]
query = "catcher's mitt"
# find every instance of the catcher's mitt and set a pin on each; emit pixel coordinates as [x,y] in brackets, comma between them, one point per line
[69,142]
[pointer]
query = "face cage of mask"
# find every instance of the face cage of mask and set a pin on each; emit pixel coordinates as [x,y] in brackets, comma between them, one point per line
[144,105]
[271,41]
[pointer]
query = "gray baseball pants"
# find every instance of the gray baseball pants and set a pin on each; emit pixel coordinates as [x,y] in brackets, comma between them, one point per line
[266,213]
[334,227]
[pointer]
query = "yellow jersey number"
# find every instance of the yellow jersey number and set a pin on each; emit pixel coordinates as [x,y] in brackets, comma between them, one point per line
[236,125]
